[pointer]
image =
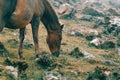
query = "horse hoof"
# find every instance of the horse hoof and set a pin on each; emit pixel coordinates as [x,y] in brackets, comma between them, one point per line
[56,54]
[37,56]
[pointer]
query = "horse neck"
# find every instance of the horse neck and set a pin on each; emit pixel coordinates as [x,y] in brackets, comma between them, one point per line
[50,19]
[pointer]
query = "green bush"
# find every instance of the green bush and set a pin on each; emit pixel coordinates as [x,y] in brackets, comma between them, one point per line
[91,11]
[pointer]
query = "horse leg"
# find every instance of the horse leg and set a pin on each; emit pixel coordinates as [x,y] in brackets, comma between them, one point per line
[2,25]
[21,38]
[35,27]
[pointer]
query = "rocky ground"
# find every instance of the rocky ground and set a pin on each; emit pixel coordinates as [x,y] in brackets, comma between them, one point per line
[89,49]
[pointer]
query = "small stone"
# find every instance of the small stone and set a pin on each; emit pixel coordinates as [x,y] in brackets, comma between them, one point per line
[118,51]
[12,70]
[53,75]
[96,42]
[88,55]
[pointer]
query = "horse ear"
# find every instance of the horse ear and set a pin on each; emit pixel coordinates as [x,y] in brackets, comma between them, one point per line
[62,26]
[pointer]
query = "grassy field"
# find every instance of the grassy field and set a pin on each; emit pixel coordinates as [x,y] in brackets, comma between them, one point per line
[70,67]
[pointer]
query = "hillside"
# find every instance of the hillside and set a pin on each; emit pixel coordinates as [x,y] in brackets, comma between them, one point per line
[79,59]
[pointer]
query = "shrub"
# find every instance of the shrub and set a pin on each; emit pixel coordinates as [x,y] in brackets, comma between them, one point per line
[46,61]
[76,53]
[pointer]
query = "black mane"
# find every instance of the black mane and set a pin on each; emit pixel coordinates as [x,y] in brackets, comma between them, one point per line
[50,19]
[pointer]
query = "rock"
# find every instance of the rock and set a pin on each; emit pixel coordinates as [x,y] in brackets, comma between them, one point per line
[8,72]
[72,33]
[96,42]
[22,65]
[118,51]
[56,4]
[83,31]
[88,55]
[102,73]
[66,10]
[12,70]
[103,43]
[16,34]
[78,15]
[86,18]
[112,25]
[75,33]
[75,72]
[98,21]
[52,75]
[77,54]
[115,21]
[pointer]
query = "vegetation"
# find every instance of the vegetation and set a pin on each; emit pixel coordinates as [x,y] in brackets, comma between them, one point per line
[91,11]
[71,64]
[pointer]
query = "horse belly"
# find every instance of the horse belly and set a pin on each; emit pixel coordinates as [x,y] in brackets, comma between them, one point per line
[20,20]
[23,13]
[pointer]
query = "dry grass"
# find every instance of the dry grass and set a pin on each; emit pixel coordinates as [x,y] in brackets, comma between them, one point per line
[68,65]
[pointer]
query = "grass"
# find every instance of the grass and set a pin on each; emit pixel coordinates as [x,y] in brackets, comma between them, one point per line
[71,67]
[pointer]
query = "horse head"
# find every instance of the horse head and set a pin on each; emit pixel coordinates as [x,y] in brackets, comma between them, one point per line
[54,41]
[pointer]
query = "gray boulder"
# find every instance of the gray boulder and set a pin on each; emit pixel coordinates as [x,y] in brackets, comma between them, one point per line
[66,10]
[53,75]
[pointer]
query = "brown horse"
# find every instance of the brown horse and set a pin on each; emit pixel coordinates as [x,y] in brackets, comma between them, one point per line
[16,14]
